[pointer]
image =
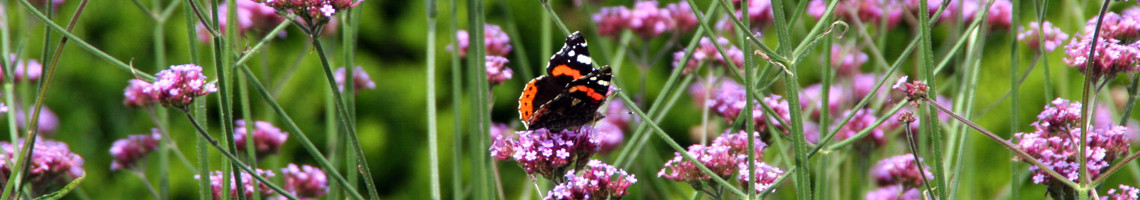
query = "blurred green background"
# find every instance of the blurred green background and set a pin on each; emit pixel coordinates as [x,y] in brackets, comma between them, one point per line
[87,92]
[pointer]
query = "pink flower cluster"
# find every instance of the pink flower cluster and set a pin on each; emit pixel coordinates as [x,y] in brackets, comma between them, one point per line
[914,91]
[869,12]
[497,70]
[847,59]
[1056,137]
[317,12]
[305,182]
[247,184]
[729,102]
[611,129]
[267,139]
[894,192]
[728,154]
[28,70]
[134,95]
[46,125]
[497,42]
[179,85]
[898,177]
[999,15]
[598,181]
[1033,36]
[546,153]
[251,16]
[863,119]
[128,151]
[1116,49]
[646,19]
[759,15]
[1122,192]
[52,163]
[360,79]
[706,53]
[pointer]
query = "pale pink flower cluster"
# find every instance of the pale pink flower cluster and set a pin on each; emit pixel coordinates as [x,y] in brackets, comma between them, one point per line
[1116,49]
[706,53]
[598,181]
[1033,36]
[646,19]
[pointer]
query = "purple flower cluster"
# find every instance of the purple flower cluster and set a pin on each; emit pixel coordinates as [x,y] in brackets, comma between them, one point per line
[47,125]
[611,129]
[847,59]
[247,184]
[267,139]
[497,70]
[1056,137]
[999,16]
[305,182]
[1122,192]
[134,95]
[28,70]
[729,102]
[869,12]
[497,42]
[1116,48]
[863,119]
[898,177]
[316,11]
[598,181]
[360,79]
[546,153]
[128,151]
[1051,35]
[52,163]
[500,129]
[914,91]
[759,15]
[728,154]
[706,53]
[179,85]
[646,19]
[251,16]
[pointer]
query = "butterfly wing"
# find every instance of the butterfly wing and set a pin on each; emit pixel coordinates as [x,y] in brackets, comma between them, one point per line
[571,62]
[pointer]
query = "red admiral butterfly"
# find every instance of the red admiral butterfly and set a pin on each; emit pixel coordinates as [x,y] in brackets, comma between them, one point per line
[569,96]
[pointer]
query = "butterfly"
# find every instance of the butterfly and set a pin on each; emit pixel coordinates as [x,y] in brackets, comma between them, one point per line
[570,94]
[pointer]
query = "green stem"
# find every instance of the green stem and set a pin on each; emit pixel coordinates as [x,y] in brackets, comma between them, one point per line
[242,166]
[362,163]
[433,140]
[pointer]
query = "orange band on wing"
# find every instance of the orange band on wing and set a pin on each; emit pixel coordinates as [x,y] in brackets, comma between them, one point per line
[589,92]
[563,70]
[526,101]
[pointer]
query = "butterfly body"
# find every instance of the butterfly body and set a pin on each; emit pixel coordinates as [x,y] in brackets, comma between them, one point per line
[570,95]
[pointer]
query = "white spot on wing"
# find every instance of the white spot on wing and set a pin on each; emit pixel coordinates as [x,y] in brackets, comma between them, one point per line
[604,83]
[572,53]
[585,59]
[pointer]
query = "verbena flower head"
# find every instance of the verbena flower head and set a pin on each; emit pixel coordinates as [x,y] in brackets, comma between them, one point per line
[360,79]
[863,119]
[27,70]
[598,181]
[546,153]
[999,16]
[759,16]
[1051,36]
[47,125]
[847,59]
[766,175]
[501,129]
[1056,137]
[178,86]
[612,20]
[313,12]
[915,91]
[52,163]
[497,70]
[729,102]
[1117,49]
[267,139]
[1122,192]
[932,6]
[306,182]
[647,20]
[870,12]
[128,151]
[247,184]
[706,52]
[682,16]
[901,169]
[894,192]
[497,42]
[738,143]
[811,98]
[134,97]
[720,159]
[251,17]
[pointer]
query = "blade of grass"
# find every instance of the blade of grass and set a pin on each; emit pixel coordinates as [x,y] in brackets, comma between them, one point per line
[457,101]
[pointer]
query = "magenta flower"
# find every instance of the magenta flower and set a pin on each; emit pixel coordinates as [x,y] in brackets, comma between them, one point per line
[683,16]
[252,16]
[914,6]
[497,70]
[847,59]
[128,151]
[649,21]
[1052,36]
[610,134]
[612,20]
[729,102]
[311,12]
[999,16]
[738,143]
[706,52]
[267,139]
[179,85]
[914,91]
[900,169]
[1116,50]
[306,182]
[546,153]
[863,119]
[360,79]
[247,182]
[134,97]
[759,15]
[766,175]
[1056,137]
[1122,192]
[720,159]
[598,180]
[497,42]
[52,163]
[501,129]
[28,70]
[811,98]
[47,124]
[894,192]
[870,12]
